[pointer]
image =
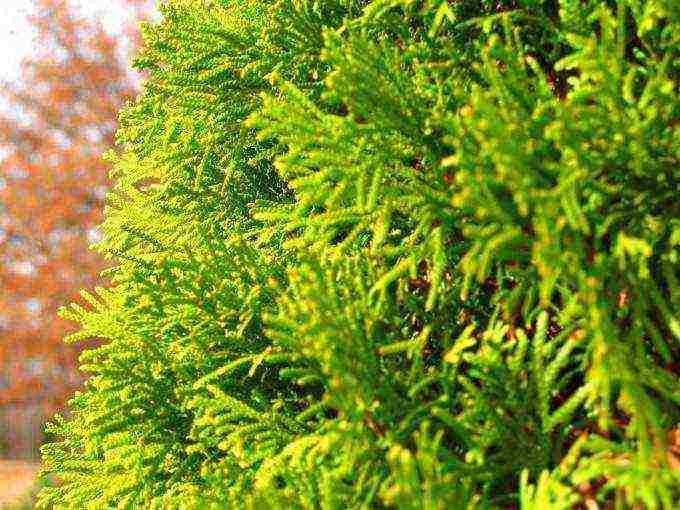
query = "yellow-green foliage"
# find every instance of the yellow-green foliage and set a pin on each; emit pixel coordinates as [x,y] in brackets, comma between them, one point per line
[388,254]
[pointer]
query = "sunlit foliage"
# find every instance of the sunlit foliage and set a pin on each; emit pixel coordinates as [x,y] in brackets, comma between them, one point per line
[389,254]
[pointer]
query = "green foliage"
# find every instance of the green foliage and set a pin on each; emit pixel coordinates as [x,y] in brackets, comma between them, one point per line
[389,254]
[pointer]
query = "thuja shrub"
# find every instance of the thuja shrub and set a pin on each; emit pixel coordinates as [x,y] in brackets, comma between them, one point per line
[389,254]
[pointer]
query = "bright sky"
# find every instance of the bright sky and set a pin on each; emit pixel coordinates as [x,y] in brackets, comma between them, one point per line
[16,38]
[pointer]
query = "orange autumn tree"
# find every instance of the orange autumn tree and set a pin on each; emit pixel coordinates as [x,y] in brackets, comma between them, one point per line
[58,120]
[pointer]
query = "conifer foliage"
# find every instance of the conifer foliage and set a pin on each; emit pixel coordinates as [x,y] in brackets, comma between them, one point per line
[388,254]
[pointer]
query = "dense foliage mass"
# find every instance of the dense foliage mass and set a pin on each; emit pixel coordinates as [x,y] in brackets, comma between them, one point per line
[389,254]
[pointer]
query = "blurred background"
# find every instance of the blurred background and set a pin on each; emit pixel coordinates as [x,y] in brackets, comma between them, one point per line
[64,74]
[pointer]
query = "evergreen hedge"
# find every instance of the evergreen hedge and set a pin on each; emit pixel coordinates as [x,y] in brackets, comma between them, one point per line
[388,254]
